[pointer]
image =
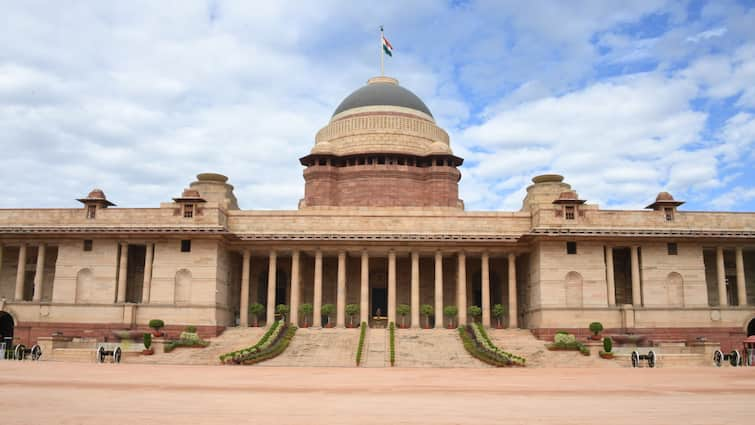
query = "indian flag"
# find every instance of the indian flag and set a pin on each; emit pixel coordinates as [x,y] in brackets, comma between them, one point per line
[387,48]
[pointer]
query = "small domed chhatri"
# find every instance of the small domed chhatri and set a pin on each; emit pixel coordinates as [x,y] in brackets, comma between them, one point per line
[96,196]
[664,199]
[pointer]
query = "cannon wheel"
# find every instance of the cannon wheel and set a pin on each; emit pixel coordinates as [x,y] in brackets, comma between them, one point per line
[651,358]
[101,355]
[36,352]
[20,352]
[734,358]
[635,359]
[718,358]
[117,355]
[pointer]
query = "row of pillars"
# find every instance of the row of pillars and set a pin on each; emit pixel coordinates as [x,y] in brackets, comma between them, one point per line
[720,277]
[39,272]
[123,273]
[461,295]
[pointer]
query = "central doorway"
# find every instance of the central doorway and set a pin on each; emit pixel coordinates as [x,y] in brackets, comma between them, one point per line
[379,302]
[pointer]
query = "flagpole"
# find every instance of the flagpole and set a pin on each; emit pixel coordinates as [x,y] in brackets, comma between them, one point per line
[382,53]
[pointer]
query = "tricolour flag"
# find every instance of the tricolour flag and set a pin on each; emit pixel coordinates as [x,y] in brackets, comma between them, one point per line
[387,48]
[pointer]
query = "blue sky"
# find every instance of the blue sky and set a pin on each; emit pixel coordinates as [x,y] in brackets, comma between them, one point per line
[625,99]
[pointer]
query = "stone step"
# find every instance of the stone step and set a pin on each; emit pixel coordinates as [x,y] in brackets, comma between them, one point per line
[230,340]
[375,351]
[327,347]
[432,348]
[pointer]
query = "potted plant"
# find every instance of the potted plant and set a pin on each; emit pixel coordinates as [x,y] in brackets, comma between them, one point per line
[156,325]
[427,310]
[607,347]
[148,351]
[255,310]
[305,310]
[498,311]
[596,328]
[351,311]
[475,312]
[326,311]
[283,310]
[403,310]
[450,311]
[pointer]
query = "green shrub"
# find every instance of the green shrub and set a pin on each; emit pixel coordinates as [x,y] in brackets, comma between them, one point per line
[327,310]
[189,337]
[256,310]
[191,329]
[147,340]
[564,339]
[351,311]
[477,343]
[427,310]
[283,310]
[170,345]
[403,310]
[607,345]
[475,312]
[498,311]
[263,345]
[156,324]
[360,345]
[596,328]
[305,310]
[450,311]
[392,332]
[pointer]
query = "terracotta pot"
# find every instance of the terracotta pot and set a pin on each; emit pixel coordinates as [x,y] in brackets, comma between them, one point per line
[148,352]
[157,333]
[606,355]
[595,337]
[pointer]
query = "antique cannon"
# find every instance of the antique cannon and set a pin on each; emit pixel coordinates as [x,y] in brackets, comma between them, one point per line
[20,352]
[637,357]
[109,350]
[733,358]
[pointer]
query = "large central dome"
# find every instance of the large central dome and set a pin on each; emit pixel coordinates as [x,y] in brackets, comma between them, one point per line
[382,91]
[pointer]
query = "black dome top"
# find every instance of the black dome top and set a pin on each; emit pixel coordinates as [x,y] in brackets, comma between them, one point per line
[382,94]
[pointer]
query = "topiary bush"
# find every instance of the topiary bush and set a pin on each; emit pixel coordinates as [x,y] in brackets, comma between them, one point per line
[475,312]
[427,310]
[450,311]
[392,332]
[305,310]
[498,311]
[596,328]
[403,310]
[283,310]
[327,310]
[147,340]
[607,345]
[255,310]
[566,341]
[351,311]
[156,324]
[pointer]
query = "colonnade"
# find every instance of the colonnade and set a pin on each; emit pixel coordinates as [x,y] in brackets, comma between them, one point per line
[461,287]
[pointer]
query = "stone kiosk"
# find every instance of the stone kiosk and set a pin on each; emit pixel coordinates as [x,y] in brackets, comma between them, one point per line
[381,224]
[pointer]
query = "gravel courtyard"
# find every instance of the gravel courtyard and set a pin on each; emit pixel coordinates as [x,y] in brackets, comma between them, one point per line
[74,393]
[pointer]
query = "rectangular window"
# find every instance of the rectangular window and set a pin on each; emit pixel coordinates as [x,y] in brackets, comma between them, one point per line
[91,211]
[87,244]
[571,247]
[188,210]
[672,248]
[669,212]
[569,213]
[186,245]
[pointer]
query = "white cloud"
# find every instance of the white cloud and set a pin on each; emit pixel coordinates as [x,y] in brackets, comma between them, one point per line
[708,34]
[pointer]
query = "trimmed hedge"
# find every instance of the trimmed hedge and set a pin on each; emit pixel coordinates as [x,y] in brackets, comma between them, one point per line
[483,339]
[392,331]
[171,345]
[568,342]
[275,349]
[264,342]
[360,345]
[477,352]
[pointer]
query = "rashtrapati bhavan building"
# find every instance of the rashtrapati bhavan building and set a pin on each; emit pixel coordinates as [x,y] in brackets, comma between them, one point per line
[381,224]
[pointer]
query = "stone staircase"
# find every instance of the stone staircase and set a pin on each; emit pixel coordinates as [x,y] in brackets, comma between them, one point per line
[319,348]
[375,352]
[522,343]
[230,340]
[432,348]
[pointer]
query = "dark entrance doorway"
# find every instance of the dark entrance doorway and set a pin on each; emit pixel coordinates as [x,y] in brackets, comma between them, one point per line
[379,302]
[6,326]
[751,328]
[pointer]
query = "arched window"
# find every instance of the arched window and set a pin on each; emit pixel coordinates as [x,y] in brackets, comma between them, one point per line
[573,285]
[675,289]
[182,293]
[85,285]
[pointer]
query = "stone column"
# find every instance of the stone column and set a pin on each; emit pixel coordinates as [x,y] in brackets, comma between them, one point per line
[636,290]
[610,282]
[1,259]
[122,274]
[391,286]
[461,288]
[485,265]
[415,290]
[272,271]
[39,273]
[244,307]
[364,294]
[721,275]
[341,291]
[317,303]
[513,313]
[20,273]
[147,286]
[741,286]
[295,291]
[438,289]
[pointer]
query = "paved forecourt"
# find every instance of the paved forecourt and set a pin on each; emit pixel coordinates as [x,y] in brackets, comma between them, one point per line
[94,394]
